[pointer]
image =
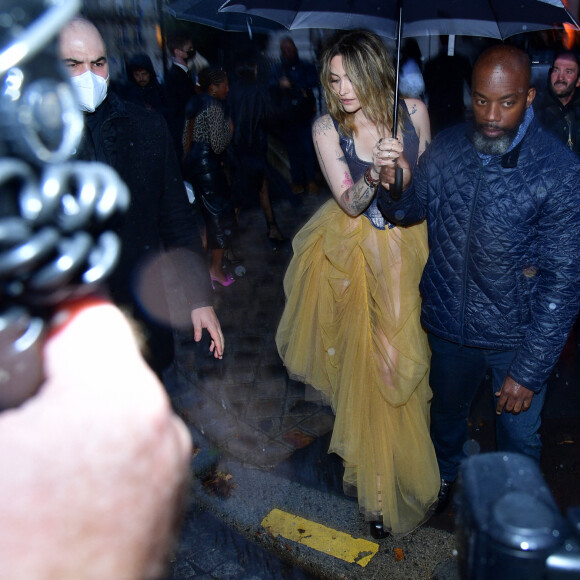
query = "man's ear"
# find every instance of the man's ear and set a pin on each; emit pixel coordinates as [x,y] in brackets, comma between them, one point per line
[531,96]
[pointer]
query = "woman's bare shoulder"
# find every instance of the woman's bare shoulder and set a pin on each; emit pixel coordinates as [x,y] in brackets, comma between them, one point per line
[323,126]
[416,107]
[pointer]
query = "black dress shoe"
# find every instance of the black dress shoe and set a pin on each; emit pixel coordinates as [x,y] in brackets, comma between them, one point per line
[444,496]
[377,530]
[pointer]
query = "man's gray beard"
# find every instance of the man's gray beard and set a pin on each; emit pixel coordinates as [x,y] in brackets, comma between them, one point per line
[490,146]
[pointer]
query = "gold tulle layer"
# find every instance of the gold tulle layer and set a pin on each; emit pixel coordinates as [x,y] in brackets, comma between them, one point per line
[351,330]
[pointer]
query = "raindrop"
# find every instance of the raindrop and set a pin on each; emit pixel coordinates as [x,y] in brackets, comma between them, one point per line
[224,404]
[202,430]
[399,214]
[240,271]
[552,306]
[331,351]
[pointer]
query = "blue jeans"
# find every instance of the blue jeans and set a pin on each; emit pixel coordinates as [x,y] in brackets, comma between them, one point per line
[455,376]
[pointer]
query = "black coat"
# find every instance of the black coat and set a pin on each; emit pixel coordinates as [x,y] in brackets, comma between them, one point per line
[152,96]
[563,121]
[179,90]
[136,143]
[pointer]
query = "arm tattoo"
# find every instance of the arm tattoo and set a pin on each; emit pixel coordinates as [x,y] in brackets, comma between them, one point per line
[321,126]
[413,109]
[347,181]
[321,162]
[358,197]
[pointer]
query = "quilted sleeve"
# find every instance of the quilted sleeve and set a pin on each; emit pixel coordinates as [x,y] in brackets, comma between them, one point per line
[557,297]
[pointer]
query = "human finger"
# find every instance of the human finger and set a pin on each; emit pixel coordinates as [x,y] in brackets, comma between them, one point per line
[501,402]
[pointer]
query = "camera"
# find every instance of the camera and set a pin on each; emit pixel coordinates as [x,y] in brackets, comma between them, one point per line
[56,243]
[508,525]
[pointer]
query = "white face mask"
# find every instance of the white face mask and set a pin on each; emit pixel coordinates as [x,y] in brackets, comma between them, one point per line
[91,90]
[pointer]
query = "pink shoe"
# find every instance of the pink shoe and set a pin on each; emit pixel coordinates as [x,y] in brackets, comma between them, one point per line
[227,282]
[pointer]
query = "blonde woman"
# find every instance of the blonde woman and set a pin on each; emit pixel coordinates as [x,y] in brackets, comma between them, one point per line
[351,326]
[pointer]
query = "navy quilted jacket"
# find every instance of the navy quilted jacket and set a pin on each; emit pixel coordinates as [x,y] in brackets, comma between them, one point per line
[504,263]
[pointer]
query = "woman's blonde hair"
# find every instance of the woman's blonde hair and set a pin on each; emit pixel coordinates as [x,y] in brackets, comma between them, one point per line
[369,67]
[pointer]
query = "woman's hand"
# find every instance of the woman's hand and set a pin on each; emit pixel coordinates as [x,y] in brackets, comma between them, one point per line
[388,155]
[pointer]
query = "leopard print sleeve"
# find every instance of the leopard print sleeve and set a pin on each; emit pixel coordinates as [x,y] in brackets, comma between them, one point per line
[219,129]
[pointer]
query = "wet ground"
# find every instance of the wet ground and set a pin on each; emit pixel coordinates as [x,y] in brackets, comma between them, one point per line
[261,443]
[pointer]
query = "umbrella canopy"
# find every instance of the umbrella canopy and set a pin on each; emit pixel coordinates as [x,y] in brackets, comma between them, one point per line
[491,18]
[397,19]
[206,12]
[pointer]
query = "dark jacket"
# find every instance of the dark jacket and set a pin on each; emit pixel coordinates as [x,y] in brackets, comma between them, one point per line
[504,265]
[152,96]
[298,102]
[179,89]
[563,121]
[137,145]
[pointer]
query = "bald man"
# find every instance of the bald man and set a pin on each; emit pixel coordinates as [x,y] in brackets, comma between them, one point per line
[501,287]
[137,144]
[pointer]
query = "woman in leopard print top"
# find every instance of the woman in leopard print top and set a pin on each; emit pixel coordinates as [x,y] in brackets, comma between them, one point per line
[207,134]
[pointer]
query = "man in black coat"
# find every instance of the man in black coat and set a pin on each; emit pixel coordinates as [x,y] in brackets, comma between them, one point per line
[136,143]
[142,86]
[559,112]
[179,87]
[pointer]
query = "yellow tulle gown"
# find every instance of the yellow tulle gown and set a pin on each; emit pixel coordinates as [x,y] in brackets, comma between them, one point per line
[351,329]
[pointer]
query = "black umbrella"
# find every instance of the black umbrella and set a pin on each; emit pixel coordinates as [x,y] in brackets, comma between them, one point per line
[206,12]
[396,18]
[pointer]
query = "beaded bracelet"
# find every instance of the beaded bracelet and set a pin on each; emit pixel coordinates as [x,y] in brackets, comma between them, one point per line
[369,180]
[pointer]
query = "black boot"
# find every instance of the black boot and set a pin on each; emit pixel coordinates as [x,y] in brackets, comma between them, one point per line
[444,496]
[378,532]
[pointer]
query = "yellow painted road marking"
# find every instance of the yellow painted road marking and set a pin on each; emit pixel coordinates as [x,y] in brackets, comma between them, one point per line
[319,537]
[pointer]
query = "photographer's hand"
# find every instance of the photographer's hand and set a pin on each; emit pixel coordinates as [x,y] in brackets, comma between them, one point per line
[94,466]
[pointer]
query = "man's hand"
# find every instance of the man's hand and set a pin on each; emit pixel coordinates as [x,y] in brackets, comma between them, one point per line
[205,317]
[95,465]
[513,397]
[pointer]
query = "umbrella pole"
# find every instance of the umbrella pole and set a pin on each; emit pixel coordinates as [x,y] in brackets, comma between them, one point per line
[396,189]
[397,71]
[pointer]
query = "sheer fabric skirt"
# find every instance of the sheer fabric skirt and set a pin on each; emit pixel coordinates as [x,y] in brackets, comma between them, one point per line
[351,329]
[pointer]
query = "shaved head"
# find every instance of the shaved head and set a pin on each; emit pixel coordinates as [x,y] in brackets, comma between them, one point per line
[81,48]
[500,94]
[505,58]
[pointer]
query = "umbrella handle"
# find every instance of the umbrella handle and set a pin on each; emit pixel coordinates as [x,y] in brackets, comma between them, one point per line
[395,189]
